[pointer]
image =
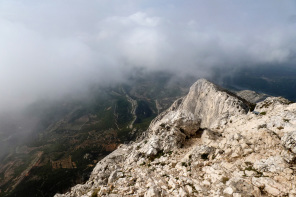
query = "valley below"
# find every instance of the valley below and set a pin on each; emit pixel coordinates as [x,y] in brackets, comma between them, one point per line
[71,137]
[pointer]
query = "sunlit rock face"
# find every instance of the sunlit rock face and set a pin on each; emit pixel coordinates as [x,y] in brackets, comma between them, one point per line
[208,103]
[207,143]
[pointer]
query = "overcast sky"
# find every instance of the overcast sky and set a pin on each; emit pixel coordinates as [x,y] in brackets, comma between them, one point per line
[53,47]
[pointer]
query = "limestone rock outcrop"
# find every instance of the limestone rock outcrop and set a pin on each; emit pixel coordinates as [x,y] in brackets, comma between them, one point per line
[252,96]
[206,102]
[208,143]
[289,141]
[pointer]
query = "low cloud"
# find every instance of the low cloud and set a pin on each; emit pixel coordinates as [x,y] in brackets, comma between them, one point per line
[52,48]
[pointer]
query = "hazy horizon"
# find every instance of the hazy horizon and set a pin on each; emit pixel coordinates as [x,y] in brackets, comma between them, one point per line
[52,48]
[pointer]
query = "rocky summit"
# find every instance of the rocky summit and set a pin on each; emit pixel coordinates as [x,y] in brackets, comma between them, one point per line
[208,143]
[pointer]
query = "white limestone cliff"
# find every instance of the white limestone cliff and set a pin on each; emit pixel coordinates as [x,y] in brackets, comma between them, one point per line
[206,144]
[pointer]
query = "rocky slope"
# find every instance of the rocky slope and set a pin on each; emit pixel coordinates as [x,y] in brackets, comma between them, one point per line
[206,144]
[252,96]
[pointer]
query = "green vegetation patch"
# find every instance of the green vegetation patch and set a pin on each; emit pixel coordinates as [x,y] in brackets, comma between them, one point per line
[158,155]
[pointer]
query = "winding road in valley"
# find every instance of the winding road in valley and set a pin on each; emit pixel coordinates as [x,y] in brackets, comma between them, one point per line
[134,104]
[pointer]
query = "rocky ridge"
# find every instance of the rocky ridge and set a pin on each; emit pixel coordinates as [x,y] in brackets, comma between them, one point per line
[206,144]
[252,96]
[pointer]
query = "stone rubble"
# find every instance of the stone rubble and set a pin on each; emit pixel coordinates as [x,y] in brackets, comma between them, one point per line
[206,144]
